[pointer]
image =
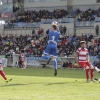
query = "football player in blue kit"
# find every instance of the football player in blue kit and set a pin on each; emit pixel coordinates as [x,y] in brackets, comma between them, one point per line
[51,50]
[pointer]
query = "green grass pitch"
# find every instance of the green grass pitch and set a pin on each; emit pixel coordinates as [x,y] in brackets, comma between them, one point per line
[41,84]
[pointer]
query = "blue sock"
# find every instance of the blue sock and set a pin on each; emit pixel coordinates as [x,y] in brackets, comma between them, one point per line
[46,57]
[55,63]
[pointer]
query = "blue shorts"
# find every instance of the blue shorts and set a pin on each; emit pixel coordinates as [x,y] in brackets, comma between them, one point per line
[51,49]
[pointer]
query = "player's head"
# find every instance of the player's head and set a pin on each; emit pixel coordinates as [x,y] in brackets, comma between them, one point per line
[55,23]
[83,44]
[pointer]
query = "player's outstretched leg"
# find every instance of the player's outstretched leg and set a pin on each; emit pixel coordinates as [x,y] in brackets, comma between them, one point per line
[46,57]
[4,76]
[96,79]
[97,69]
[55,65]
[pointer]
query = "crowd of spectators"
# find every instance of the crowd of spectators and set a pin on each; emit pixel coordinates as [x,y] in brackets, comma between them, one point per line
[30,16]
[66,46]
[94,47]
[63,29]
[34,45]
[88,15]
[10,44]
[34,16]
[70,43]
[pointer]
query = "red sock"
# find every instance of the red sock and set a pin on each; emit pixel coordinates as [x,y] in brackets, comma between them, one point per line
[92,73]
[23,65]
[3,75]
[87,74]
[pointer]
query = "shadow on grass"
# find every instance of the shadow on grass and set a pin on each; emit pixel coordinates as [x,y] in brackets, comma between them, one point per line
[46,84]
[6,85]
[12,85]
[57,83]
[61,83]
[46,72]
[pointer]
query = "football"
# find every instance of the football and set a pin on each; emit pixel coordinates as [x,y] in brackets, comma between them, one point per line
[55,23]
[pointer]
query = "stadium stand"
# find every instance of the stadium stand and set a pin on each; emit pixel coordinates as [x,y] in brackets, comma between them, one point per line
[32,18]
[88,15]
[35,44]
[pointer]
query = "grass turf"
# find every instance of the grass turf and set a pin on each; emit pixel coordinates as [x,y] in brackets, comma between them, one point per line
[40,84]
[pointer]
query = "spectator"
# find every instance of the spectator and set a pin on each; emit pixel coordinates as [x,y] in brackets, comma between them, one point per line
[33,33]
[64,29]
[97,29]
[78,11]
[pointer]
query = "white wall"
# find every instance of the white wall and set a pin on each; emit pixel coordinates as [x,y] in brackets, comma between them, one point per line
[46,8]
[19,32]
[86,30]
[45,4]
[69,2]
[84,2]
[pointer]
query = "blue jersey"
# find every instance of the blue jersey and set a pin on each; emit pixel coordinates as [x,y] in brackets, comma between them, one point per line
[51,48]
[54,36]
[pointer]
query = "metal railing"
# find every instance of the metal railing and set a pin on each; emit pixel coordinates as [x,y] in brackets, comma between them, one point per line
[37,24]
[22,25]
[84,23]
[49,21]
[97,19]
[70,31]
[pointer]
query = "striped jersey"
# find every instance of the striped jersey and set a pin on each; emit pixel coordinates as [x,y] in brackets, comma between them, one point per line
[22,57]
[82,54]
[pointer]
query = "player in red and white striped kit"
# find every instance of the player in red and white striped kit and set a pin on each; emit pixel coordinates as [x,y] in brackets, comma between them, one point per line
[2,72]
[22,57]
[82,58]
